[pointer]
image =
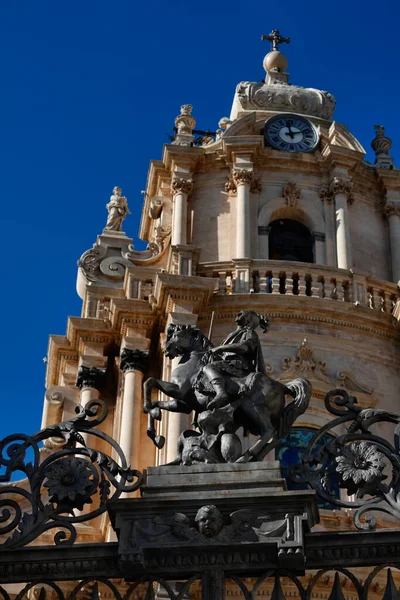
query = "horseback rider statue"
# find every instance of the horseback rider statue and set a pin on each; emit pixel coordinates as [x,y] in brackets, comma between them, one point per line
[229,388]
[239,355]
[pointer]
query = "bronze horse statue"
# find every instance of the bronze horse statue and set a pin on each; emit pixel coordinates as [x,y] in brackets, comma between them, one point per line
[257,403]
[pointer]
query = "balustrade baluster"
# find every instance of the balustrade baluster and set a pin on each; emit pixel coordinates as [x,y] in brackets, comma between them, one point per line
[289,284]
[221,282]
[263,284]
[302,285]
[276,282]
[339,290]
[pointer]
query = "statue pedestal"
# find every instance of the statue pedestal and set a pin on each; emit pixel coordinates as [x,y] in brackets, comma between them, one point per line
[223,517]
[213,481]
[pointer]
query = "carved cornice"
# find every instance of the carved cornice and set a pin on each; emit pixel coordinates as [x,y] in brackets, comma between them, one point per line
[134,360]
[342,186]
[292,193]
[326,194]
[242,176]
[182,186]
[90,377]
[392,208]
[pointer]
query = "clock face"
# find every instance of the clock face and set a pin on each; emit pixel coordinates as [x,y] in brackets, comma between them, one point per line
[291,133]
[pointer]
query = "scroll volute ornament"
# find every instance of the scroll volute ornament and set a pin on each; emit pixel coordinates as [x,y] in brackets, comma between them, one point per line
[326,194]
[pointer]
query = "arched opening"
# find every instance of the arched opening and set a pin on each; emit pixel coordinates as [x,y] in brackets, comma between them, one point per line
[290,240]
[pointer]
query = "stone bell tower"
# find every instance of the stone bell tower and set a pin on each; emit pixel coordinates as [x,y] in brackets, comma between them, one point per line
[276,211]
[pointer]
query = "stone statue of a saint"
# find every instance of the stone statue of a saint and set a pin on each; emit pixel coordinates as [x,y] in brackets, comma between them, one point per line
[117,210]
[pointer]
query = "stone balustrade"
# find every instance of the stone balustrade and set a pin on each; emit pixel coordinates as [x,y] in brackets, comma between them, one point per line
[301,279]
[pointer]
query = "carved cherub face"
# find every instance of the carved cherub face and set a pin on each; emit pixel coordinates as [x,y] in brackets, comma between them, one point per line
[209,520]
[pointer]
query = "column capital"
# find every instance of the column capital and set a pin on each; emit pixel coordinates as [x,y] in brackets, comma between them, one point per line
[242,176]
[391,208]
[342,186]
[180,185]
[90,377]
[133,360]
[319,237]
[325,193]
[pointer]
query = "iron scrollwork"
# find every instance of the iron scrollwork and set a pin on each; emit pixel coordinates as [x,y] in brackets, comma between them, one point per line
[367,465]
[60,487]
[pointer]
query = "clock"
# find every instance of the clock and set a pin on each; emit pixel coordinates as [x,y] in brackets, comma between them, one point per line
[291,133]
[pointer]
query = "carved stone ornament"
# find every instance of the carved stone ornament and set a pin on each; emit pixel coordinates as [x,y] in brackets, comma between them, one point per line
[230,186]
[392,208]
[256,186]
[184,122]
[326,194]
[171,530]
[342,186]
[292,194]
[156,206]
[182,186]
[134,360]
[90,377]
[285,98]
[305,365]
[242,176]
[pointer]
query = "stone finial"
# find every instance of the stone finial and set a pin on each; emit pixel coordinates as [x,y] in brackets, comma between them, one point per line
[275,62]
[381,145]
[134,360]
[275,38]
[184,124]
[292,193]
[117,210]
[90,377]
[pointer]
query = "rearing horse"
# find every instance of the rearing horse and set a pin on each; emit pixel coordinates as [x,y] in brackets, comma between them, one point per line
[259,401]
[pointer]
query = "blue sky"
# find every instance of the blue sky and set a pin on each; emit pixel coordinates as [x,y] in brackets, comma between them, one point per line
[89,91]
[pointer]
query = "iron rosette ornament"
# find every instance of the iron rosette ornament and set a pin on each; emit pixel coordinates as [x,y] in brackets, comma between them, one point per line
[71,485]
[365,464]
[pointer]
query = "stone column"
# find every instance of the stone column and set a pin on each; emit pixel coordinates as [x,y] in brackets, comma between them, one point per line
[181,189]
[326,196]
[319,241]
[133,364]
[90,381]
[392,212]
[341,190]
[177,422]
[242,179]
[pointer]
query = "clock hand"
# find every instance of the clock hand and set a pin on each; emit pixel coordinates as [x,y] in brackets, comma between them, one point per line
[290,132]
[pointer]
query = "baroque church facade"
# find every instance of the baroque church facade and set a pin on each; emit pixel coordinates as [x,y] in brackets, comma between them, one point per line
[277,212]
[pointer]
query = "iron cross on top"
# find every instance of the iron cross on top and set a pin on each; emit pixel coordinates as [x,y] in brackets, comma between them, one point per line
[275,38]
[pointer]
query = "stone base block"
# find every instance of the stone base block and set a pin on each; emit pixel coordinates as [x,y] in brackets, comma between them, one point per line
[218,481]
